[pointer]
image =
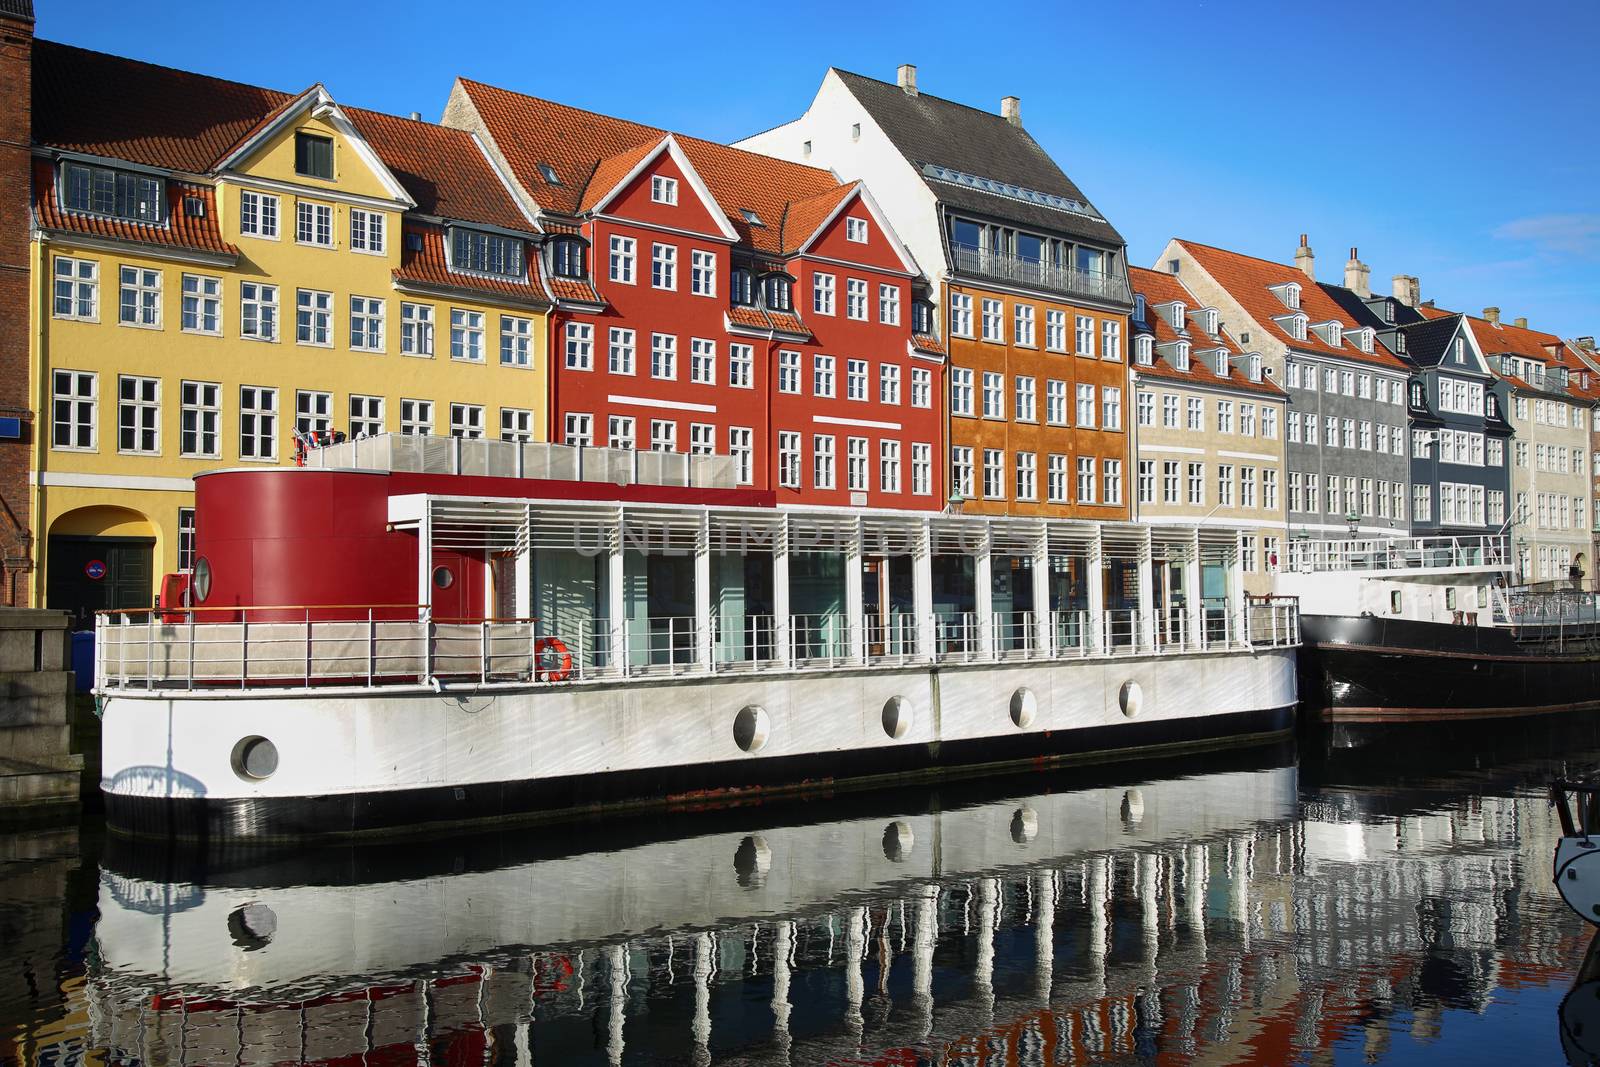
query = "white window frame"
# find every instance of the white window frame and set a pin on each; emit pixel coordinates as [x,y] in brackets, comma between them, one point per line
[663,190]
[259,215]
[822,293]
[80,283]
[200,300]
[578,346]
[664,356]
[313,318]
[416,416]
[623,259]
[199,404]
[855,229]
[416,329]
[258,423]
[368,232]
[664,266]
[367,315]
[145,285]
[81,397]
[888,304]
[516,424]
[516,341]
[313,224]
[466,336]
[702,361]
[368,415]
[702,272]
[467,421]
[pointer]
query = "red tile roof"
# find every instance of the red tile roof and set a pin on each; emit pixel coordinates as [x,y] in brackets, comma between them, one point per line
[927,342]
[1247,279]
[443,169]
[182,230]
[805,216]
[1159,287]
[1536,345]
[575,143]
[611,170]
[761,319]
[428,267]
[1428,311]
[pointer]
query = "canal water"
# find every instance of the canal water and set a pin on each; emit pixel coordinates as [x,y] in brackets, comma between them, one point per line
[1354,898]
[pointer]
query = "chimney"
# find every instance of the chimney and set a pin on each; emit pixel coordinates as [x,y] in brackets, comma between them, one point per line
[1358,276]
[1520,323]
[1304,260]
[906,77]
[1408,290]
[1011,110]
[1492,314]
[1586,343]
[416,116]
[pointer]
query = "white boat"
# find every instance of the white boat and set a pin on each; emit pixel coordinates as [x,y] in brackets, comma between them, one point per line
[1577,860]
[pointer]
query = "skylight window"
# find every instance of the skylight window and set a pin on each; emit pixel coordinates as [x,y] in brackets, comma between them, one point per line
[751,217]
[103,191]
[548,173]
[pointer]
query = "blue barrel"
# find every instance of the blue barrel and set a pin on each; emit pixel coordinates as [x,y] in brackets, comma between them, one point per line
[83,659]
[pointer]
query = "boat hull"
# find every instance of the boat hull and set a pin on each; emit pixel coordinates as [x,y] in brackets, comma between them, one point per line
[1372,669]
[376,761]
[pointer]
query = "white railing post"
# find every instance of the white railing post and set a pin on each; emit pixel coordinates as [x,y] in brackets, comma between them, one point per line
[483,651]
[191,651]
[244,646]
[372,649]
[308,647]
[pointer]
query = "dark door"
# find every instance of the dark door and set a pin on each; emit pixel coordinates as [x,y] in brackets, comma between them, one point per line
[90,574]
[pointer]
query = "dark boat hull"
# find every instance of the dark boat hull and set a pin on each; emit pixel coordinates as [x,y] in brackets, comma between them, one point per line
[1372,669]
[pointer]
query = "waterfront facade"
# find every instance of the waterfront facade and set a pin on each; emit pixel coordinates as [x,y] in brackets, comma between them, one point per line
[1345,435]
[1207,428]
[198,300]
[1030,284]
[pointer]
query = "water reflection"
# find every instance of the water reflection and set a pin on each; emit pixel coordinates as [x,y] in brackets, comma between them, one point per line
[1266,907]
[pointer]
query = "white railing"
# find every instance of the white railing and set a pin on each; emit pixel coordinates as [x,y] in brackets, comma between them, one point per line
[1033,272]
[1482,552]
[267,647]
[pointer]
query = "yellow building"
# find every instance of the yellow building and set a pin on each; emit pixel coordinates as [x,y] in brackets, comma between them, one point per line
[219,266]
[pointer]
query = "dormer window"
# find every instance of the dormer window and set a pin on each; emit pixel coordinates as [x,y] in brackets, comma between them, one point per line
[751,217]
[548,173]
[1297,327]
[567,258]
[1174,312]
[1364,339]
[1208,320]
[1223,363]
[743,287]
[1491,406]
[1417,396]
[921,317]
[1254,366]
[1180,357]
[1138,307]
[313,155]
[120,194]
[1388,311]
[1331,333]
[1400,343]
[663,190]
[1459,350]
[194,207]
[486,253]
[1288,293]
[1144,350]
[775,292]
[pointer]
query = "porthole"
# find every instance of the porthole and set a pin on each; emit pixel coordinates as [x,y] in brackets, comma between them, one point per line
[443,578]
[898,841]
[1131,699]
[255,758]
[200,580]
[1024,708]
[751,728]
[896,717]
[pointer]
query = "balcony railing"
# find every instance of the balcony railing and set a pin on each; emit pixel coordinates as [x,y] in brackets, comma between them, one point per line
[247,648]
[1038,274]
[1486,552]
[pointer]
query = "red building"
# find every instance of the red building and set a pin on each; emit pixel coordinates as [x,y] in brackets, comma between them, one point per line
[710,300]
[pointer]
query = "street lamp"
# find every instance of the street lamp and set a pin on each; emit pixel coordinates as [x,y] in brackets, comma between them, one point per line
[1352,521]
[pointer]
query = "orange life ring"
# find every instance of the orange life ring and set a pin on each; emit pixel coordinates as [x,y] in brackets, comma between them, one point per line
[557,646]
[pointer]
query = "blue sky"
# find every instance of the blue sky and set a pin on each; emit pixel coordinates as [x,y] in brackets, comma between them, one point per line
[1456,141]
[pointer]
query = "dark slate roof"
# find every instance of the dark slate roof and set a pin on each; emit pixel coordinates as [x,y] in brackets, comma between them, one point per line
[1428,339]
[1362,312]
[927,129]
[16,9]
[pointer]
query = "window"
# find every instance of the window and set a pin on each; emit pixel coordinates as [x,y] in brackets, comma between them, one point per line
[466,335]
[775,292]
[788,371]
[1055,485]
[788,459]
[822,294]
[822,376]
[1023,399]
[1349,433]
[313,318]
[313,224]
[1331,431]
[994,395]
[139,302]
[77,289]
[103,191]
[1225,485]
[202,304]
[663,190]
[1110,408]
[1296,493]
[702,273]
[1269,422]
[1055,402]
[889,466]
[961,391]
[857,474]
[702,361]
[466,420]
[73,398]
[313,411]
[567,258]
[258,214]
[1347,382]
[1224,416]
[620,432]
[486,253]
[855,379]
[702,439]
[580,346]
[994,474]
[1055,330]
[366,415]
[822,461]
[1365,436]
[199,418]
[855,229]
[921,387]
[1247,487]
[1022,324]
[1145,404]
[961,472]
[740,449]
[416,417]
[416,329]
[889,304]
[516,341]
[516,424]
[664,356]
[623,251]
[313,155]
[855,299]
[1145,490]
[1086,480]
[888,384]
[1311,493]
[1169,411]
[1247,420]
[1085,335]
[258,422]
[1111,339]
[960,315]
[1027,476]
[620,351]
[741,366]
[366,324]
[663,435]
[1194,413]
[366,231]
[921,469]
[1196,479]
[1086,406]
[993,322]
[186,539]
[1169,481]
[664,266]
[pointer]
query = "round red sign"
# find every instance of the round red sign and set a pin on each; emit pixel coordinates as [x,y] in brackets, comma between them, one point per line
[95,569]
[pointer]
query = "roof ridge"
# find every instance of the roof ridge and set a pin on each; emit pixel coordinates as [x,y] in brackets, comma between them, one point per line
[1243,255]
[174,70]
[929,96]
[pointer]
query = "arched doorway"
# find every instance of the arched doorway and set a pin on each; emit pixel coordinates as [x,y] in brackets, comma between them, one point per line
[98,558]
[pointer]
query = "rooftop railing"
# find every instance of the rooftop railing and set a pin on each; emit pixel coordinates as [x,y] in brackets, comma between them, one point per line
[1486,552]
[1039,274]
[485,457]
